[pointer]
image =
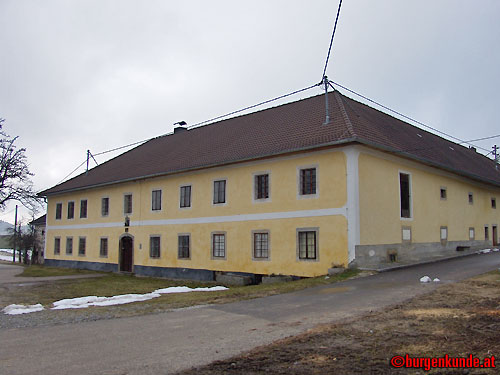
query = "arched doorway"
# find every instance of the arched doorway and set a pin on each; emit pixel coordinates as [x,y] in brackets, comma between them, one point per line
[126,253]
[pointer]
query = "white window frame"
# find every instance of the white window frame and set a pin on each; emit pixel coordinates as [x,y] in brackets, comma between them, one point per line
[410,183]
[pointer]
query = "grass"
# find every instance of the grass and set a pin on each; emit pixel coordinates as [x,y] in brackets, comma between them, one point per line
[115,284]
[43,271]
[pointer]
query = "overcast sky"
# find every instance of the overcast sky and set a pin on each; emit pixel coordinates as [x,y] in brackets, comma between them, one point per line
[99,74]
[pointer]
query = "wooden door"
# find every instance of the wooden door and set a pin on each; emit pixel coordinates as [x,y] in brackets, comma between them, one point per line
[126,250]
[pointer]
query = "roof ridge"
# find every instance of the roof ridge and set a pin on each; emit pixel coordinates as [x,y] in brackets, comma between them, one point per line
[347,120]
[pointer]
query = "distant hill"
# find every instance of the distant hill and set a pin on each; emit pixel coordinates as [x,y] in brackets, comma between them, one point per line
[6,228]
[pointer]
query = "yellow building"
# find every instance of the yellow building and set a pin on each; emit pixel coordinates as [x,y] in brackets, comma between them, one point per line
[277,192]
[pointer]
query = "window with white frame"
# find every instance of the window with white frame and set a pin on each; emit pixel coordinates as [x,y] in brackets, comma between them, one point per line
[69,245]
[308,181]
[307,244]
[154,246]
[183,246]
[82,244]
[105,206]
[57,246]
[103,248]
[185,196]
[127,204]
[219,191]
[219,245]
[83,209]
[261,245]
[156,200]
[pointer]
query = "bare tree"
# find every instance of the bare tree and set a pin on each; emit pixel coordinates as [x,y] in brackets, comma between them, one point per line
[15,176]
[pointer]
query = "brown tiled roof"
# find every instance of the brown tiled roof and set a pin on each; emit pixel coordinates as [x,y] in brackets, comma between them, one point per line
[292,127]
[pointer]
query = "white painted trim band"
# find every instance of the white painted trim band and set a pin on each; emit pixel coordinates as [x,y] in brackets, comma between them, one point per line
[214,219]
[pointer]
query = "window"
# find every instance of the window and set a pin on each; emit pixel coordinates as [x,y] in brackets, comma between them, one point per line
[105,206]
[472,233]
[103,250]
[69,245]
[71,210]
[185,199]
[486,233]
[83,209]
[307,244]
[156,200]
[183,247]
[82,245]
[57,246]
[219,191]
[308,181]
[58,211]
[443,193]
[262,186]
[127,204]
[471,198]
[154,246]
[404,185]
[219,245]
[493,203]
[261,245]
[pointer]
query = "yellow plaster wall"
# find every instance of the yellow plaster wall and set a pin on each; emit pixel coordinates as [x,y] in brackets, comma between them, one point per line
[331,180]
[380,221]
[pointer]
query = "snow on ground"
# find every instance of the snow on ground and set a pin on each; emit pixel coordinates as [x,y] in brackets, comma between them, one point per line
[84,302]
[485,251]
[7,258]
[425,279]
[10,251]
[21,309]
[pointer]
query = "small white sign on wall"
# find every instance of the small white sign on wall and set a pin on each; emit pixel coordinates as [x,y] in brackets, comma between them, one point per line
[444,233]
[406,234]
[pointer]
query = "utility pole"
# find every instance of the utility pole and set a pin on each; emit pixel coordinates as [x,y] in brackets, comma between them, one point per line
[327,115]
[495,154]
[15,237]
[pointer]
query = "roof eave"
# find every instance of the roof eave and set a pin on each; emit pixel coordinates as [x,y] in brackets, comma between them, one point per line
[428,162]
[47,193]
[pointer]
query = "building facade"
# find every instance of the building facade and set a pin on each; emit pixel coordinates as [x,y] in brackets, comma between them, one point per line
[277,192]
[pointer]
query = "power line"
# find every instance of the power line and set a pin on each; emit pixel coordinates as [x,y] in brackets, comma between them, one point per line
[331,41]
[404,116]
[253,106]
[482,139]
[73,171]
[119,148]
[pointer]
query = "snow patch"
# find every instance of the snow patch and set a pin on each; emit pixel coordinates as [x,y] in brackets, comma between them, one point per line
[22,309]
[484,251]
[425,279]
[6,258]
[436,280]
[84,302]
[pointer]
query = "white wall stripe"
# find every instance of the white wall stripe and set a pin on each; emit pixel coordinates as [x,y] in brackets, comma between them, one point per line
[214,219]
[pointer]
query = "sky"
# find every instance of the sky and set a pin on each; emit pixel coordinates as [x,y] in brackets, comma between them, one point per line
[78,75]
